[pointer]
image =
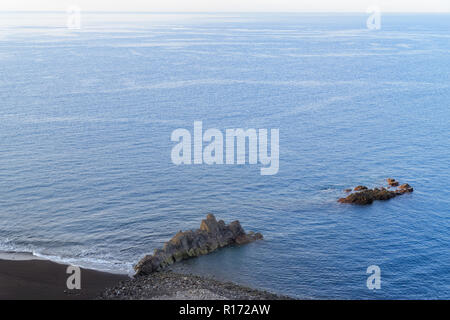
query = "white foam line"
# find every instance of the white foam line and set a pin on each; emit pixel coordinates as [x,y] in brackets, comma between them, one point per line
[9,251]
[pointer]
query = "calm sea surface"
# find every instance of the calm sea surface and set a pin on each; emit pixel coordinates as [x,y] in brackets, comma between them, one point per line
[86,117]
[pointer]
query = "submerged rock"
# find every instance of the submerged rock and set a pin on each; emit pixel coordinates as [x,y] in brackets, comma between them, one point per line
[367,196]
[211,236]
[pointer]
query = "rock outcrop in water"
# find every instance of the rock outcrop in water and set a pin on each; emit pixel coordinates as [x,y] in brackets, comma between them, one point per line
[392,182]
[211,236]
[365,196]
[405,188]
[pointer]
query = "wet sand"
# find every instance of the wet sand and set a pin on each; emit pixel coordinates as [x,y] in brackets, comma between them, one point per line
[37,279]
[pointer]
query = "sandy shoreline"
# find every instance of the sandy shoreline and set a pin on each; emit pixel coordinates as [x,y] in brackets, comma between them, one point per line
[25,277]
[38,279]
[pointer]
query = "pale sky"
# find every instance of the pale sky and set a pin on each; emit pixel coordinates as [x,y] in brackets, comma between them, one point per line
[229,5]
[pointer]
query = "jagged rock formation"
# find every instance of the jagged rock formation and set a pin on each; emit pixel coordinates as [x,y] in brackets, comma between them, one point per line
[211,236]
[367,196]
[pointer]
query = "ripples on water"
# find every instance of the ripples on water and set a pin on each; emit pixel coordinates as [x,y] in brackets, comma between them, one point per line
[86,118]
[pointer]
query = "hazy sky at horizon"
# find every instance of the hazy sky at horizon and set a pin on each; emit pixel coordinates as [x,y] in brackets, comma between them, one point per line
[229,5]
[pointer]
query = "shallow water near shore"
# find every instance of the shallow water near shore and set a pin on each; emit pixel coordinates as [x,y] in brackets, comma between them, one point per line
[86,117]
[18,256]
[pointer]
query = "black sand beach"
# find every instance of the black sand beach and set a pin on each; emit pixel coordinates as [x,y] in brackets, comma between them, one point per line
[25,276]
[42,280]
[36,279]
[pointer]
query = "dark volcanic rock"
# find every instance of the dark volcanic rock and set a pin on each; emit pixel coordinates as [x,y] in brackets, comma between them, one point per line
[367,196]
[211,236]
[169,285]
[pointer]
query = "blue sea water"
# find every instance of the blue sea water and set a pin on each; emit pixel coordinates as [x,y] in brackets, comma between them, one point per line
[86,117]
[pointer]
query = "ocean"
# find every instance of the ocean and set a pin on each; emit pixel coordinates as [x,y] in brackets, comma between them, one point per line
[86,117]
